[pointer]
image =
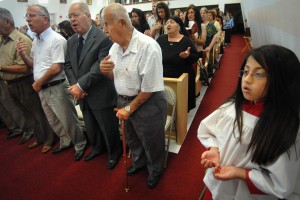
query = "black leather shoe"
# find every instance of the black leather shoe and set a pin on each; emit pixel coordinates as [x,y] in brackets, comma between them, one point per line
[25,139]
[60,149]
[112,163]
[91,156]
[2,124]
[11,134]
[153,181]
[133,170]
[78,155]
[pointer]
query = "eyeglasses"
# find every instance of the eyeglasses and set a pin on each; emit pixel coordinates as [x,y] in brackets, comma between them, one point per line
[255,75]
[27,15]
[74,15]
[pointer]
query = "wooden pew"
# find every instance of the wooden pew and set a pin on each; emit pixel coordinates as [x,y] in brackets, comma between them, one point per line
[197,81]
[180,86]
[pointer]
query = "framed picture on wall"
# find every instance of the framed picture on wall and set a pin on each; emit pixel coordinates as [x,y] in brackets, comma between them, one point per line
[22,0]
[89,2]
[63,1]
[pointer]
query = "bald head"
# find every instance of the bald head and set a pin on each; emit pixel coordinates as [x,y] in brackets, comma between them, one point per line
[117,24]
[117,12]
[83,7]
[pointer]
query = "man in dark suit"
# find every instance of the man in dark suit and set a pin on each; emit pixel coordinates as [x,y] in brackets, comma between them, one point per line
[95,93]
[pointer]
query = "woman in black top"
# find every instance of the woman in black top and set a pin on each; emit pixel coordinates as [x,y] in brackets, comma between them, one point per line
[179,55]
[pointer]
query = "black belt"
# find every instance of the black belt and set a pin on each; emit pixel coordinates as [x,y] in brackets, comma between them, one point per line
[52,83]
[127,98]
[19,79]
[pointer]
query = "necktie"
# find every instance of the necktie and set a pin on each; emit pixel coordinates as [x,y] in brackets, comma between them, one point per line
[79,47]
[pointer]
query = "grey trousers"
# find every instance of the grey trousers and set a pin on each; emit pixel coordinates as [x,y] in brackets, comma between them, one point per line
[27,100]
[145,133]
[58,106]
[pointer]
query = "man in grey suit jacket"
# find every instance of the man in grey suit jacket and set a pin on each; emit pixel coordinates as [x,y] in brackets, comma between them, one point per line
[95,93]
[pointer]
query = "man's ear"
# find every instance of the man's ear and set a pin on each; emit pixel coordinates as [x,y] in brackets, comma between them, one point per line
[6,21]
[123,22]
[88,15]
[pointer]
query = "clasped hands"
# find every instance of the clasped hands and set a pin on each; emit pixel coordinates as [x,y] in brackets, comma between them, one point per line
[77,92]
[211,158]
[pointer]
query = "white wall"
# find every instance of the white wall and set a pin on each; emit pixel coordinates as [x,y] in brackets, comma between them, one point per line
[55,8]
[274,22]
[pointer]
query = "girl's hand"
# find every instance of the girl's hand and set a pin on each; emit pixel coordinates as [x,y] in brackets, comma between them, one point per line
[193,38]
[207,49]
[148,32]
[158,26]
[225,173]
[210,158]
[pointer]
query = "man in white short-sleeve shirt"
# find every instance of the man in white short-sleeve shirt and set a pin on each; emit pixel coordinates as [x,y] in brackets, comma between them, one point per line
[47,58]
[135,64]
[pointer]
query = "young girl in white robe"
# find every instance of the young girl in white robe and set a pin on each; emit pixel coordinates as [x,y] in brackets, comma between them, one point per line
[253,140]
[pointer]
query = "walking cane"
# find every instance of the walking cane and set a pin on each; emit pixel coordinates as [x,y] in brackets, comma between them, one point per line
[125,154]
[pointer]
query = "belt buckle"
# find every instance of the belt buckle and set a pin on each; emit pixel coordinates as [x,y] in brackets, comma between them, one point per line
[126,98]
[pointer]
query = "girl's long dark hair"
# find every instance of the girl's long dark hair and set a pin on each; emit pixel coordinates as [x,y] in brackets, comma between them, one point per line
[277,127]
[164,6]
[198,18]
[143,24]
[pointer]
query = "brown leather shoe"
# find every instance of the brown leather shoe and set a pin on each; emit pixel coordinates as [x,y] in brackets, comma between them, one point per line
[32,145]
[46,149]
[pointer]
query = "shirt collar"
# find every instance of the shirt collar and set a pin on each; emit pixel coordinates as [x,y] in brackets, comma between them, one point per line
[86,34]
[253,108]
[133,44]
[12,36]
[44,34]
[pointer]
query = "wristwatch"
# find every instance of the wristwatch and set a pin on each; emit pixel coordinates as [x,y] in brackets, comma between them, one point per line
[127,108]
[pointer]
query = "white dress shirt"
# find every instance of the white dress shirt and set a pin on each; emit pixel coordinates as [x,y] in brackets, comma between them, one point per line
[48,48]
[139,68]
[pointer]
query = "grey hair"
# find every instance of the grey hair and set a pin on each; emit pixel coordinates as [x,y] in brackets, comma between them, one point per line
[43,10]
[118,11]
[204,9]
[5,14]
[83,7]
